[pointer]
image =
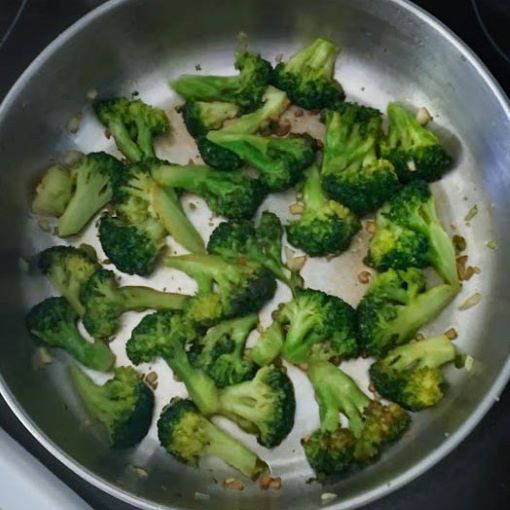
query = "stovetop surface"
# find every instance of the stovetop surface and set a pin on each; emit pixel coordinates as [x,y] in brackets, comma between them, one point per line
[476,474]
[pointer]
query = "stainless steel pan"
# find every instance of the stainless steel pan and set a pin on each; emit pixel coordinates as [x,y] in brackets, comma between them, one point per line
[391,50]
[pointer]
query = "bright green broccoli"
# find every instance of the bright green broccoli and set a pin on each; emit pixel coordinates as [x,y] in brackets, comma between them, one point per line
[187,435]
[133,124]
[230,194]
[68,269]
[262,244]
[414,150]
[124,404]
[54,323]
[410,374]
[145,214]
[333,449]
[269,345]
[409,233]
[200,117]
[246,89]
[325,227]
[53,192]
[395,306]
[226,289]
[264,406]
[308,76]
[352,172]
[314,326]
[93,178]
[105,301]
[280,161]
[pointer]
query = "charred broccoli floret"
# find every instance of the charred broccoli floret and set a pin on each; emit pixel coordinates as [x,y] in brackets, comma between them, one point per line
[246,89]
[409,233]
[308,76]
[105,301]
[280,161]
[414,150]
[221,352]
[233,288]
[325,227]
[124,404]
[333,449]
[395,306]
[352,172]
[54,323]
[53,192]
[93,178]
[230,194]
[68,269]
[200,117]
[263,244]
[187,435]
[264,406]
[410,374]
[133,124]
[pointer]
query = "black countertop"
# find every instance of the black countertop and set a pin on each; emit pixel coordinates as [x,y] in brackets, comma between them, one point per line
[477,473]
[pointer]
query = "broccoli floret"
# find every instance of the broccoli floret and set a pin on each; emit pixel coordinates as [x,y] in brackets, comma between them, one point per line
[325,226]
[187,435]
[264,406]
[269,345]
[124,404]
[317,326]
[54,323]
[68,269]
[53,192]
[410,375]
[105,301]
[280,161]
[200,117]
[220,353]
[262,244]
[133,124]
[308,76]
[333,449]
[145,213]
[395,306]
[230,194]
[352,173]
[234,288]
[409,233]
[246,89]
[414,150]
[93,178]
[218,157]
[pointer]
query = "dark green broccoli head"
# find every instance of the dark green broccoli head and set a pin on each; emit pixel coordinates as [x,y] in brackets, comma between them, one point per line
[221,352]
[217,156]
[93,178]
[325,226]
[352,173]
[414,150]
[410,375]
[124,404]
[54,323]
[187,435]
[308,76]
[395,306]
[330,453]
[133,124]
[317,327]
[200,116]
[68,268]
[265,405]
[246,89]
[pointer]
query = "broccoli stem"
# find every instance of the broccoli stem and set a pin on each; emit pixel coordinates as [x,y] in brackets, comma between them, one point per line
[268,346]
[190,177]
[205,88]
[336,392]
[144,137]
[168,207]
[142,298]
[237,330]
[123,140]
[238,400]
[320,56]
[295,349]
[222,445]
[313,196]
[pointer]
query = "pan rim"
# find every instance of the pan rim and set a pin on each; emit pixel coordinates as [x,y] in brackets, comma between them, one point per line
[354,502]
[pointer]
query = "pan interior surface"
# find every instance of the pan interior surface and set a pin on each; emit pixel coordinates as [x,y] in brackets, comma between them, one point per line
[390,51]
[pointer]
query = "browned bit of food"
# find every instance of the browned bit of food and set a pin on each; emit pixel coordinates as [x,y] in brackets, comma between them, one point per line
[299,112]
[459,243]
[283,128]
[471,301]
[370,226]
[233,484]
[364,276]
[451,333]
